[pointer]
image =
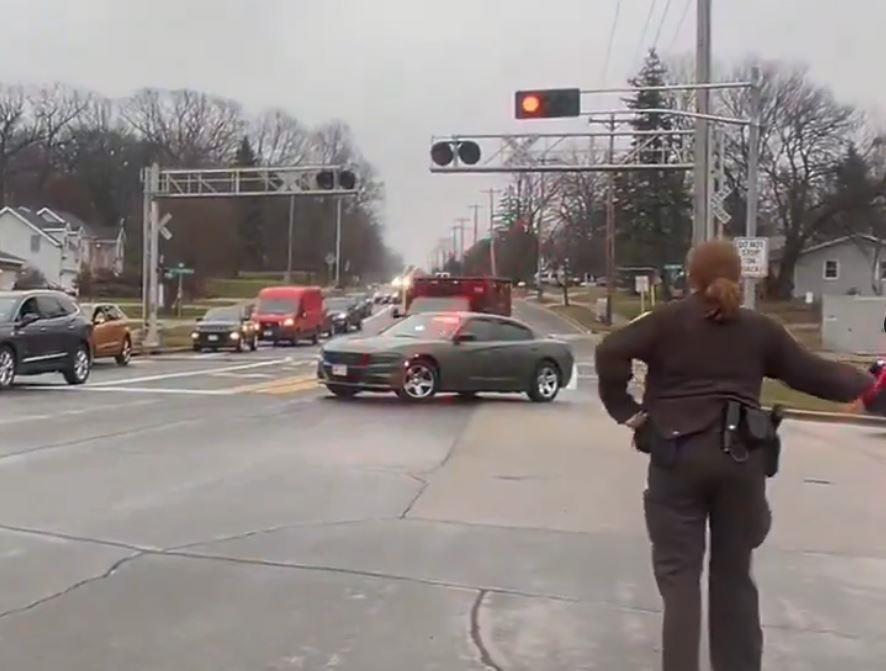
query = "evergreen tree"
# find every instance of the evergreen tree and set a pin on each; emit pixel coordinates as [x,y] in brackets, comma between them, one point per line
[654,207]
[250,223]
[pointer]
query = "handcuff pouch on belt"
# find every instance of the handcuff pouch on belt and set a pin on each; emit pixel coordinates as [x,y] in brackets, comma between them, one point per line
[748,428]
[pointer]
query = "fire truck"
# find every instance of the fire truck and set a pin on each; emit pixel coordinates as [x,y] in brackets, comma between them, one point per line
[469,294]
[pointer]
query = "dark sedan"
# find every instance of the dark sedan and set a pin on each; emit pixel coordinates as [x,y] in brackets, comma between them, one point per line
[43,332]
[344,313]
[226,328]
[462,352]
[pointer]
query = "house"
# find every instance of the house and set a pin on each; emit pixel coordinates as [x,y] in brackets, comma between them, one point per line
[10,267]
[23,235]
[847,265]
[101,248]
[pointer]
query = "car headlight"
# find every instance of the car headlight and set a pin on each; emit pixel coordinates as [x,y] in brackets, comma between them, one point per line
[194,335]
[235,335]
[341,315]
[289,321]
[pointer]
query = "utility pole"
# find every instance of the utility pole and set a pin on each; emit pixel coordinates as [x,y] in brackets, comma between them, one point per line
[492,193]
[610,226]
[750,284]
[700,224]
[476,209]
[455,244]
[289,245]
[338,242]
[461,223]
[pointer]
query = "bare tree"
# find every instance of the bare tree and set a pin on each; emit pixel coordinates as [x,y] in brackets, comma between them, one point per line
[56,110]
[19,130]
[190,128]
[804,136]
[279,139]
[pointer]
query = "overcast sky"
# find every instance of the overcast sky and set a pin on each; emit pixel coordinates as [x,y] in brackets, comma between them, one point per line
[399,71]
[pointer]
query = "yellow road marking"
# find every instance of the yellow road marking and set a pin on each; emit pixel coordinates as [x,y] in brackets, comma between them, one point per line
[271,386]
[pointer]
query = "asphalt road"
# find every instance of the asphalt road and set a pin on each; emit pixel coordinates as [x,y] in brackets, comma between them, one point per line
[220,512]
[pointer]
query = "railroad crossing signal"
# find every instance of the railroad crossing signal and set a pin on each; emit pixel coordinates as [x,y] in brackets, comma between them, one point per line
[467,152]
[326,180]
[547,104]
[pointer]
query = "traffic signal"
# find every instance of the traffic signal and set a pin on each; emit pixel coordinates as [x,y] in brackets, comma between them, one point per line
[444,153]
[326,180]
[547,103]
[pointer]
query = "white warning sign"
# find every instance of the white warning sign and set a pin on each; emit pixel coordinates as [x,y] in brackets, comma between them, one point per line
[754,254]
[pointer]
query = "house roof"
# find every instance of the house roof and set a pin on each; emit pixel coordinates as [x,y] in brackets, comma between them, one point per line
[58,219]
[30,219]
[11,259]
[841,240]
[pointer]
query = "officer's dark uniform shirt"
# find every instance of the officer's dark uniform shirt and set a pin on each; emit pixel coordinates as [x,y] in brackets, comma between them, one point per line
[694,363]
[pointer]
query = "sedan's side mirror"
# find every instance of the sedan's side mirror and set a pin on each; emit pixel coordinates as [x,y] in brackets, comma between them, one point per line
[464,337]
[28,319]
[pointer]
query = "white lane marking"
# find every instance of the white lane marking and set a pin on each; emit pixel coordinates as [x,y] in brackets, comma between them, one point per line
[70,413]
[378,314]
[142,390]
[240,376]
[573,381]
[190,373]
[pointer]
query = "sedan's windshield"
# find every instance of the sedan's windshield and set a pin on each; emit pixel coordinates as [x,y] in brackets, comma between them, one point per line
[222,314]
[426,327]
[277,306]
[7,305]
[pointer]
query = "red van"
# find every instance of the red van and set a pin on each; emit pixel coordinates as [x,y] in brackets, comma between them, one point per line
[289,314]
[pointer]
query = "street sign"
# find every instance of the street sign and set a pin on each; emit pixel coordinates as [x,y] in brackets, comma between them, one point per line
[161,226]
[330,259]
[754,254]
[641,284]
[178,271]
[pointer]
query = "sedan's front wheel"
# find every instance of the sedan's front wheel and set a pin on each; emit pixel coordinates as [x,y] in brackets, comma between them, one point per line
[419,381]
[79,366]
[545,384]
[7,367]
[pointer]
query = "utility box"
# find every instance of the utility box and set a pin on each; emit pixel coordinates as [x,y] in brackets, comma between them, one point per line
[853,324]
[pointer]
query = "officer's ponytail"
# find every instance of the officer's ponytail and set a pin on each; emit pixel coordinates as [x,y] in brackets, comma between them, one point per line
[714,271]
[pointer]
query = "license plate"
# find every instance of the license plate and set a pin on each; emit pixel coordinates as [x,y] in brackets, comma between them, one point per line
[213,338]
[339,370]
[268,333]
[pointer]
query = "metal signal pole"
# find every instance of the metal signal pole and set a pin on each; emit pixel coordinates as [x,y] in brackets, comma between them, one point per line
[338,242]
[610,227]
[289,245]
[700,224]
[492,192]
[750,287]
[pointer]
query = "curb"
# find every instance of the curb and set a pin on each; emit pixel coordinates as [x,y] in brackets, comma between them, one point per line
[834,417]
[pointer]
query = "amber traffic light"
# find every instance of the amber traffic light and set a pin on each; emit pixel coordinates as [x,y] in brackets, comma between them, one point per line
[547,103]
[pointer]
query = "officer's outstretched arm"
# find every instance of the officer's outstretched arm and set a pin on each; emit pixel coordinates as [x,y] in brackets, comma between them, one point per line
[790,362]
[614,361]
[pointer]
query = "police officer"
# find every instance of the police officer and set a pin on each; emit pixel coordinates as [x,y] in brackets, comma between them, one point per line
[705,353]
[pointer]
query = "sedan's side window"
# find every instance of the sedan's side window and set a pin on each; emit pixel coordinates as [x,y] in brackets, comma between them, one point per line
[483,330]
[509,331]
[29,307]
[99,315]
[49,307]
[115,313]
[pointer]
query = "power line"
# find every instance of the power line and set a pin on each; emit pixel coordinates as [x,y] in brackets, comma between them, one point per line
[661,23]
[645,30]
[611,41]
[680,23]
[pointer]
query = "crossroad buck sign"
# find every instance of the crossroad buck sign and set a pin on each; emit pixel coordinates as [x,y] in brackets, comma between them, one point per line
[754,254]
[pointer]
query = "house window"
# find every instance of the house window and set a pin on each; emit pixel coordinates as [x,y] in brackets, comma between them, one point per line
[35,243]
[831,270]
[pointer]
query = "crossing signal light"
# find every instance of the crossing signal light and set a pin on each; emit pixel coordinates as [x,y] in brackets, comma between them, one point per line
[326,180]
[547,103]
[444,153]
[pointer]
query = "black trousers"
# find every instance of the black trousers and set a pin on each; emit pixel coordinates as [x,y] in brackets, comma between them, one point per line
[706,486]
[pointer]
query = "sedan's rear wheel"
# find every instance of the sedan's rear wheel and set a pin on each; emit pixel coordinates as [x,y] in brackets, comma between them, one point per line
[419,381]
[7,367]
[545,384]
[125,355]
[79,366]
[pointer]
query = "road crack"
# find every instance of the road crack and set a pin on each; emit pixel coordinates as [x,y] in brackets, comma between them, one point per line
[77,585]
[477,636]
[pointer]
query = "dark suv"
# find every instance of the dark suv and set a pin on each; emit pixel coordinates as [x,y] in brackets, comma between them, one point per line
[43,332]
